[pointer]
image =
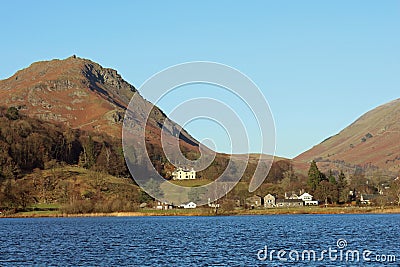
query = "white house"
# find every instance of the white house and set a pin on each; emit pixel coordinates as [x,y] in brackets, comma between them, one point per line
[308,199]
[184,174]
[212,205]
[269,201]
[163,206]
[367,198]
[190,205]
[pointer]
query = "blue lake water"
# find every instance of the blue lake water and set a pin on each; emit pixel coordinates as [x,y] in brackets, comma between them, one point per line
[202,241]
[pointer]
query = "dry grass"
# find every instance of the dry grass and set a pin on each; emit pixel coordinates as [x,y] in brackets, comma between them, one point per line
[210,212]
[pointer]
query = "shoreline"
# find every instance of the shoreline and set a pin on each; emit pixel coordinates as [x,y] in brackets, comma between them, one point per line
[209,212]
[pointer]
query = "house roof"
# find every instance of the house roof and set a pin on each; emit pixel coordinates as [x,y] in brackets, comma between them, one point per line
[188,203]
[184,169]
[368,196]
[305,195]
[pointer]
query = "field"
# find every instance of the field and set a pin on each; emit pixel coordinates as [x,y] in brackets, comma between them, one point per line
[191,183]
[205,211]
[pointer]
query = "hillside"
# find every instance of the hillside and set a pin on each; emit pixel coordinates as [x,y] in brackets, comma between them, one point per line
[82,95]
[63,114]
[371,143]
[71,189]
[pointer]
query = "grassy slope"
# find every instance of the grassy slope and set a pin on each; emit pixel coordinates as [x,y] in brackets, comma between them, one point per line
[371,139]
[52,188]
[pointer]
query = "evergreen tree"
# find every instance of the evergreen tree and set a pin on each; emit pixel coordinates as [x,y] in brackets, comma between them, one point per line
[326,192]
[331,178]
[314,176]
[334,187]
[342,186]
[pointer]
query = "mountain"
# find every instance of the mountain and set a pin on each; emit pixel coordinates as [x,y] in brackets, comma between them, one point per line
[59,118]
[81,94]
[371,143]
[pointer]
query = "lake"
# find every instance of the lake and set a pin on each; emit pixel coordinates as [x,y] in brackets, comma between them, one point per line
[274,240]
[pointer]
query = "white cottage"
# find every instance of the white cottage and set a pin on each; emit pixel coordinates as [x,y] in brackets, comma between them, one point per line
[308,200]
[269,201]
[190,205]
[184,174]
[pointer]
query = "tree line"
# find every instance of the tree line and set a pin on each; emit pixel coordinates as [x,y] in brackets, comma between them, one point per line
[29,146]
[336,188]
[27,143]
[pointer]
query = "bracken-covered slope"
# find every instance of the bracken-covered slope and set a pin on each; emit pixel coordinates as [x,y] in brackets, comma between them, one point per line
[81,94]
[371,143]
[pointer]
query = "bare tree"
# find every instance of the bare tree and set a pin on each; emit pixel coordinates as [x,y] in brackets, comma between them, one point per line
[395,189]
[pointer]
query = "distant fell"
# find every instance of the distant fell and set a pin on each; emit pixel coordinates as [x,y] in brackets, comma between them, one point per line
[371,143]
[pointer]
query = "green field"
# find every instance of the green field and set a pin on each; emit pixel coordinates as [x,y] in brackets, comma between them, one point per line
[176,195]
[44,206]
[191,183]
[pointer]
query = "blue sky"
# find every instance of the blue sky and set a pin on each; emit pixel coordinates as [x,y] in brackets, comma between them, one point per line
[320,64]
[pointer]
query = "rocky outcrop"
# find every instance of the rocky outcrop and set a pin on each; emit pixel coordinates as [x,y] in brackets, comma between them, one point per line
[82,94]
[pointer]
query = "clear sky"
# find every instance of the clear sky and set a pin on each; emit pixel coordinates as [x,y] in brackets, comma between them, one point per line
[320,64]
